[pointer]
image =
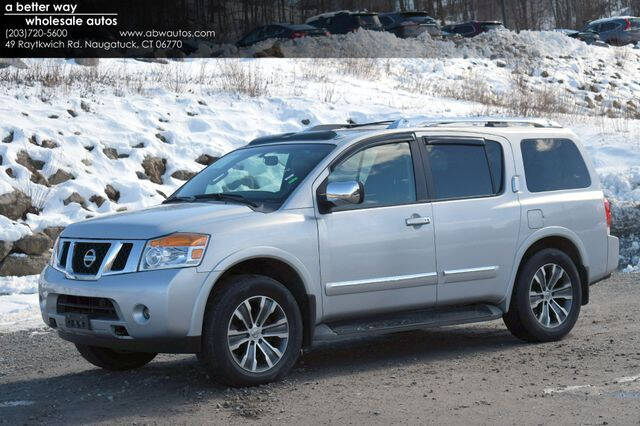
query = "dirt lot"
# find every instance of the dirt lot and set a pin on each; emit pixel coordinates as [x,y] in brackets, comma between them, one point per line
[454,375]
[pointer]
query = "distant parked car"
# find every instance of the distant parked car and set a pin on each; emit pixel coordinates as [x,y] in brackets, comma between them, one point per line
[617,31]
[280,31]
[345,21]
[473,28]
[589,37]
[410,24]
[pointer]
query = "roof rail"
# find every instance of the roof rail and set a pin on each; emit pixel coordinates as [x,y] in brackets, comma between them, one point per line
[385,124]
[494,122]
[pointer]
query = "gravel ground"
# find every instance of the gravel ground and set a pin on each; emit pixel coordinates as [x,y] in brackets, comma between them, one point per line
[453,375]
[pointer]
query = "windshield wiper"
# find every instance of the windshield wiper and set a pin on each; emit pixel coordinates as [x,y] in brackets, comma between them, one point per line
[224,196]
[189,199]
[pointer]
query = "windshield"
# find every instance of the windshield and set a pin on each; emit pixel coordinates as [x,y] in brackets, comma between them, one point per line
[264,176]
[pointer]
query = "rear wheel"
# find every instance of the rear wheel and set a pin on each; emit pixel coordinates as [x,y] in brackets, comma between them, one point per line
[113,360]
[252,333]
[546,300]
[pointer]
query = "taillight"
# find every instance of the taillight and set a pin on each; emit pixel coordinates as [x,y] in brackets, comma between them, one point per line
[607,212]
[626,28]
[297,34]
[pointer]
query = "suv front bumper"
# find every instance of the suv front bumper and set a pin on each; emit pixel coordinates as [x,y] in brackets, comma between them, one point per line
[169,295]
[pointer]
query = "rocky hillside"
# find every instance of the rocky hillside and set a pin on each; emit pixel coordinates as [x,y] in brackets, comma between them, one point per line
[80,141]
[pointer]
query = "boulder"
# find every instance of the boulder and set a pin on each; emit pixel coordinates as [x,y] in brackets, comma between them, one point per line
[53,232]
[97,200]
[183,174]
[10,173]
[14,205]
[25,160]
[154,168]
[75,198]
[161,138]
[34,244]
[72,113]
[37,177]
[5,249]
[49,144]
[85,106]
[8,138]
[111,153]
[60,176]
[112,193]
[19,265]
[206,159]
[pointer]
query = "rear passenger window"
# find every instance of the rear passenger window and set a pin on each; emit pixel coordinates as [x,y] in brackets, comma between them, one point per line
[553,164]
[466,170]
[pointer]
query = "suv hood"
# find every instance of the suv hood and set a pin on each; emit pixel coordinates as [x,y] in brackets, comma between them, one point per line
[156,221]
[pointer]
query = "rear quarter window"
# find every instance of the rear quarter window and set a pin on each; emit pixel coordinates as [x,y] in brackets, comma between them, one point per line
[553,165]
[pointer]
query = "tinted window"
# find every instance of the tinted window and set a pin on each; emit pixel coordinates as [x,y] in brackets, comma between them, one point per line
[635,23]
[496,165]
[464,29]
[553,164]
[609,26]
[462,171]
[386,172]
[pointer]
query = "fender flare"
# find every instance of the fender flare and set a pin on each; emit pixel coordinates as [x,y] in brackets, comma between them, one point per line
[197,317]
[552,231]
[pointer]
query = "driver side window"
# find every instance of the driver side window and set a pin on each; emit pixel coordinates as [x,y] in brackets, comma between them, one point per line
[385,171]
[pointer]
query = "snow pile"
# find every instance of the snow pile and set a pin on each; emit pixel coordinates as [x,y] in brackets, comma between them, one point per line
[19,312]
[11,230]
[19,285]
[380,44]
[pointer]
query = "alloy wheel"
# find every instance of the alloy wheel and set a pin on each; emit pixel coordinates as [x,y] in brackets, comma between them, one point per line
[551,295]
[258,334]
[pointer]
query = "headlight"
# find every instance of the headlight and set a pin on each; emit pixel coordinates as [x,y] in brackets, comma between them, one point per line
[174,251]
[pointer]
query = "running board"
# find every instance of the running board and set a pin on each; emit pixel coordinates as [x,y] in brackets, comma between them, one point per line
[404,321]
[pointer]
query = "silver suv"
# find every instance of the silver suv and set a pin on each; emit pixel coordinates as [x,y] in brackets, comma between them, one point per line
[336,232]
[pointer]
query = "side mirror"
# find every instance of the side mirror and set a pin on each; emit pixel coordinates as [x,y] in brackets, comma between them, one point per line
[344,193]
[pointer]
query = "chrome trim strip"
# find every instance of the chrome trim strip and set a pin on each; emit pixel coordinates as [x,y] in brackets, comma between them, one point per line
[107,262]
[378,284]
[470,274]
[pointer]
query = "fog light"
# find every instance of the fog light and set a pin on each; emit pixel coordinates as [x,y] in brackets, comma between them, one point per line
[141,314]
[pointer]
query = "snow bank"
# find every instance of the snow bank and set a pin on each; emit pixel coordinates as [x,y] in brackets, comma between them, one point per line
[19,312]
[12,231]
[19,285]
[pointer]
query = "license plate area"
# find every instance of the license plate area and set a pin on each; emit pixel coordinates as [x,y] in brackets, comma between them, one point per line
[77,321]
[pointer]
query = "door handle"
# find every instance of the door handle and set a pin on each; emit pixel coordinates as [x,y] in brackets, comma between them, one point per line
[418,221]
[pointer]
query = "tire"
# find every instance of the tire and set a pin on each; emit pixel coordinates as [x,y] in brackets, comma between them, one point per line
[526,317]
[112,360]
[247,358]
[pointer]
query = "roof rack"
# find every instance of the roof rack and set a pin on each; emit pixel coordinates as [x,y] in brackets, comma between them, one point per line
[494,122]
[385,124]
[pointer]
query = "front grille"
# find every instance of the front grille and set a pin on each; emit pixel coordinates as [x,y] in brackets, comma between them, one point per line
[95,307]
[121,259]
[82,250]
[63,255]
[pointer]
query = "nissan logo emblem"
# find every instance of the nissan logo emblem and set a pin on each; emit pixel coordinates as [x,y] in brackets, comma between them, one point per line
[89,258]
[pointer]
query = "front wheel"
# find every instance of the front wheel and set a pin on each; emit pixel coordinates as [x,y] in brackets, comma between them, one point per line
[546,299]
[252,332]
[113,360]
